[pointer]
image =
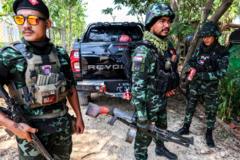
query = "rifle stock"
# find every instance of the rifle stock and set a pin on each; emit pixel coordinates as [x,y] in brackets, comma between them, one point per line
[129,119]
[14,112]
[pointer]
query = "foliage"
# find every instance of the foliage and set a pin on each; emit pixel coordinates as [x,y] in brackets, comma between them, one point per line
[69,19]
[188,12]
[230,86]
[229,97]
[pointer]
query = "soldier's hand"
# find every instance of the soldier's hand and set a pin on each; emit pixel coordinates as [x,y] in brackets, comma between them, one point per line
[174,58]
[79,128]
[23,131]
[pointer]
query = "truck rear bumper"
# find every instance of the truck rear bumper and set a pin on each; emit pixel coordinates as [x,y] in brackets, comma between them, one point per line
[113,88]
[89,85]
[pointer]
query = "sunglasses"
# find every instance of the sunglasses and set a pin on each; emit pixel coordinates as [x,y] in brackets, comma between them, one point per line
[32,20]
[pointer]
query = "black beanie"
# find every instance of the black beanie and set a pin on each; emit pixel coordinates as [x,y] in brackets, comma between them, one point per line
[37,5]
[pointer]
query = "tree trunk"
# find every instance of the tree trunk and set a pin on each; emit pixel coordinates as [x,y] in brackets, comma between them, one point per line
[175,7]
[230,25]
[221,10]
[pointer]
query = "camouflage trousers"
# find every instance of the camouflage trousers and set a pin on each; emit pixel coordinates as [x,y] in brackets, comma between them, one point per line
[58,144]
[142,141]
[210,102]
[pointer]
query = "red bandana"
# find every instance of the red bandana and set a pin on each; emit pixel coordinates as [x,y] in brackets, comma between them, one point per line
[34,2]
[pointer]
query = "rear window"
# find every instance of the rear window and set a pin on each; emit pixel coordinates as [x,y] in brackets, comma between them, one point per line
[113,33]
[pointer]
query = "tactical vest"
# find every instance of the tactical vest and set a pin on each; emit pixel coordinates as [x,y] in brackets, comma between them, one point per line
[45,83]
[207,62]
[166,77]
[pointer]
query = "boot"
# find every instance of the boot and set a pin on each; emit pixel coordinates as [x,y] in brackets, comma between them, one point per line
[184,129]
[209,138]
[161,150]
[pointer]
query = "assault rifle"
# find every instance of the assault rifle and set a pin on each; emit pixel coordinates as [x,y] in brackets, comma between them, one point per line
[129,119]
[15,113]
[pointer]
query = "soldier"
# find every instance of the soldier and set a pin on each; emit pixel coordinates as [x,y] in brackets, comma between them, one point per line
[207,65]
[41,78]
[154,64]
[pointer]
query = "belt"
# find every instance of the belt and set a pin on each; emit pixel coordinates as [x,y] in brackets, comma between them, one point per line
[49,115]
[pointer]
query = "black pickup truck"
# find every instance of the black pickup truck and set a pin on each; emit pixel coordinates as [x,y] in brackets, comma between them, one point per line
[99,60]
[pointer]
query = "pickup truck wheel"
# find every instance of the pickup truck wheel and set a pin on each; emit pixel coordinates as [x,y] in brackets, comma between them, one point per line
[83,98]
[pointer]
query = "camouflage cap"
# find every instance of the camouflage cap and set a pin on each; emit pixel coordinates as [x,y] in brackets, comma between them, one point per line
[209,29]
[156,11]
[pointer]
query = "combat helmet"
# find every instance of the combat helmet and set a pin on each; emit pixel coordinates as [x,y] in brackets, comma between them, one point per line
[158,10]
[209,29]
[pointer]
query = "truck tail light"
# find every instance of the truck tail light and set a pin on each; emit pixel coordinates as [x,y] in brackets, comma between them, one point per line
[127,95]
[74,58]
[102,88]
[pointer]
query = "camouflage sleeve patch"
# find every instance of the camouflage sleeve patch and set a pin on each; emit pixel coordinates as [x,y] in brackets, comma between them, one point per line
[139,58]
[138,63]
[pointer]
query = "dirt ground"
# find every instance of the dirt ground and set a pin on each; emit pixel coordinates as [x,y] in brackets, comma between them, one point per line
[104,142]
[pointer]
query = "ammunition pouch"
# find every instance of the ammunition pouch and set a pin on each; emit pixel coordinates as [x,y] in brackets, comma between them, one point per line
[49,94]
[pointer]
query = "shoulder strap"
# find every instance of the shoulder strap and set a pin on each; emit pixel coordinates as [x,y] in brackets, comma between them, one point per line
[21,47]
[147,44]
[56,50]
[153,49]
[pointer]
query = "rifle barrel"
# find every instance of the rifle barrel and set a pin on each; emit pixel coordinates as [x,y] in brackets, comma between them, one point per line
[37,143]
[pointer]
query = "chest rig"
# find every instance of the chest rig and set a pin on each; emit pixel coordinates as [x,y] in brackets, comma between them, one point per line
[45,83]
[207,62]
[163,68]
[161,58]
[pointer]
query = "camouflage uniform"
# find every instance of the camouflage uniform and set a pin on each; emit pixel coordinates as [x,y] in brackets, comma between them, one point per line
[210,64]
[54,133]
[151,72]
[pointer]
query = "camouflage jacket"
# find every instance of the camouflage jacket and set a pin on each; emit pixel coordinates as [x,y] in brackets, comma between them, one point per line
[146,80]
[13,66]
